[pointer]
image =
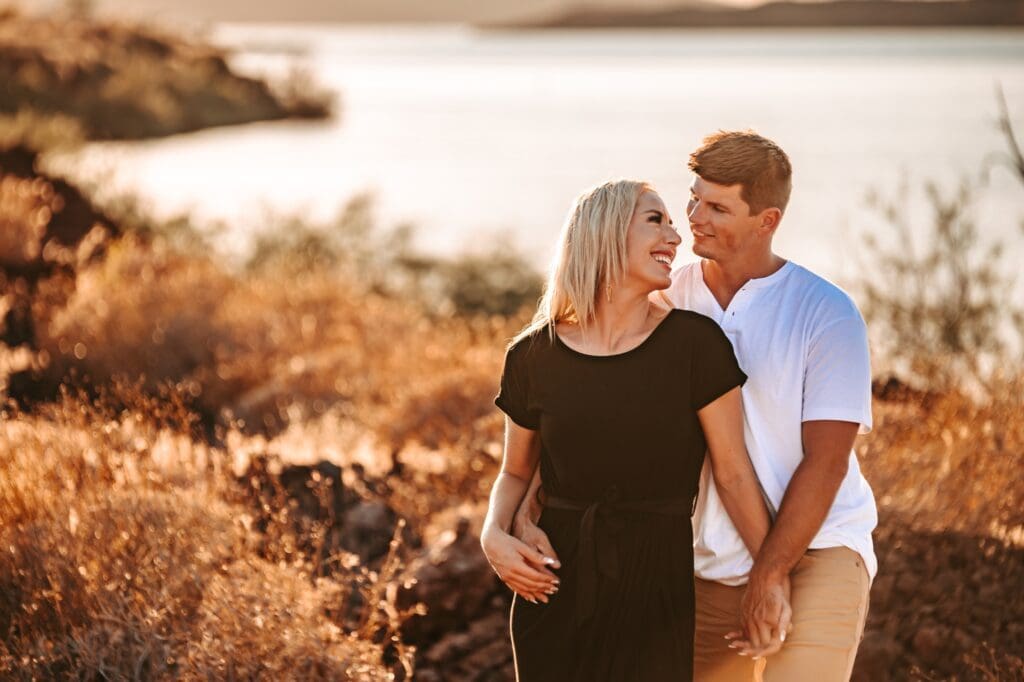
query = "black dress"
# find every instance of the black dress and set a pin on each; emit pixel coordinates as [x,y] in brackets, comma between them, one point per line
[621,454]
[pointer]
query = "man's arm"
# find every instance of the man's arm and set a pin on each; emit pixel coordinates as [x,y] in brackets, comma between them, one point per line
[524,524]
[532,504]
[807,502]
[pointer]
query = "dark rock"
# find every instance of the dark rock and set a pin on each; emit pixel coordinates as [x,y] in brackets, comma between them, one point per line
[317,495]
[877,657]
[367,529]
[453,580]
[881,590]
[907,584]
[931,643]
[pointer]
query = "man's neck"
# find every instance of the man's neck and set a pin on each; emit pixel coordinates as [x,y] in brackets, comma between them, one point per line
[724,279]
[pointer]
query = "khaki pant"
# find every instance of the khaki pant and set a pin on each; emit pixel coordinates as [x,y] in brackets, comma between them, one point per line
[830,604]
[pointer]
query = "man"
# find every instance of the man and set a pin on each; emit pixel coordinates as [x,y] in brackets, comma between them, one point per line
[803,344]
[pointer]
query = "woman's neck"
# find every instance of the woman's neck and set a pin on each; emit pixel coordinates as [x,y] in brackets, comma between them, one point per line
[618,319]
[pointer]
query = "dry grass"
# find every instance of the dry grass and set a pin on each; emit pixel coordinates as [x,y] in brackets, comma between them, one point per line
[952,463]
[125,557]
[129,550]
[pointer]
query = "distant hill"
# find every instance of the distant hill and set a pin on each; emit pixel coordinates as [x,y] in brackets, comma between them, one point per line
[851,13]
[569,13]
[343,11]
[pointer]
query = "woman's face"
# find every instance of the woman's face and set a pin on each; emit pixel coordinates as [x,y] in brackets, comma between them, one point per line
[651,243]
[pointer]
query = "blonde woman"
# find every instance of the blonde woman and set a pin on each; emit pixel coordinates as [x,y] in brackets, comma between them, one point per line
[617,396]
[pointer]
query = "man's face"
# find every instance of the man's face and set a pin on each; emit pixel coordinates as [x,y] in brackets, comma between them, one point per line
[720,221]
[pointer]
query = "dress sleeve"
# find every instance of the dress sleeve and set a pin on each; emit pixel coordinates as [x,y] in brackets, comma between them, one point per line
[514,392]
[714,369]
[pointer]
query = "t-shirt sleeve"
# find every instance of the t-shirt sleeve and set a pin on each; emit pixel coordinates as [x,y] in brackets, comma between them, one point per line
[714,369]
[837,375]
[514,391]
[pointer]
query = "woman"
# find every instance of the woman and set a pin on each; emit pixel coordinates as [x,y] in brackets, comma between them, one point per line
[618,397]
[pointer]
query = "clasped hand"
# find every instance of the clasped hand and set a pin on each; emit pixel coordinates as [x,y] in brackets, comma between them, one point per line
[525,569]
[766,617]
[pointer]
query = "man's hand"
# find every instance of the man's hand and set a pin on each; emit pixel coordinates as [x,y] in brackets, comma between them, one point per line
[767,616]
[525,528]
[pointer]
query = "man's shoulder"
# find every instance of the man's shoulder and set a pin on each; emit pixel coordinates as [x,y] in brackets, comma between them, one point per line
[824,298]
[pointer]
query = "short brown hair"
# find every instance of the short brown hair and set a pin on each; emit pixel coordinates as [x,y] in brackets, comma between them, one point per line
[731,157]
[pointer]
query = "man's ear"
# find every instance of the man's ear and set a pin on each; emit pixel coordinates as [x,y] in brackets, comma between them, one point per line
[769,220]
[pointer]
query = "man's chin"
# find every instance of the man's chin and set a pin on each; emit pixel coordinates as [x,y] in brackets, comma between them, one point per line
[703,252]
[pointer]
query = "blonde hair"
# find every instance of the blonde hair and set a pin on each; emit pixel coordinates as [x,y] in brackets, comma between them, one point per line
[742,157]
[591,255]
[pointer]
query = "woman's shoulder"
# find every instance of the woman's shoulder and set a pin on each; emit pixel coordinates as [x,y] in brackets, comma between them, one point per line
[529,340]
[692,322]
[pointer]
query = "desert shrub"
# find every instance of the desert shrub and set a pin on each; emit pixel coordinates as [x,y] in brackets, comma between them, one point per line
[939,461]
[940,307]
[143,310]
[26,206]
[497,281]
[40,131]
[124,557]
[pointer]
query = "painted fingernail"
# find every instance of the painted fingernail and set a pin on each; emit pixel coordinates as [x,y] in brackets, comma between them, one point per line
[783,636]
[548,560]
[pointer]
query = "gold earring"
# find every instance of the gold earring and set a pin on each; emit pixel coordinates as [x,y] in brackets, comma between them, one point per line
[608,292]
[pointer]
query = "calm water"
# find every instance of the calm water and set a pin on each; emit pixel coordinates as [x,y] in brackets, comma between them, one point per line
[470,134]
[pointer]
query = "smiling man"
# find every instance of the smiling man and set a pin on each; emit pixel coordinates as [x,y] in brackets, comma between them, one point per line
[803,345]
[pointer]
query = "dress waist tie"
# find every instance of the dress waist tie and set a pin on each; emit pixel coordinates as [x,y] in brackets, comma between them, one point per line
[597,553]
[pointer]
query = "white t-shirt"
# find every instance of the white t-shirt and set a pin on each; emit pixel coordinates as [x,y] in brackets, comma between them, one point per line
[803,345]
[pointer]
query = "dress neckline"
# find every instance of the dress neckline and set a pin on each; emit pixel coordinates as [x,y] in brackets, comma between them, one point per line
[653,332]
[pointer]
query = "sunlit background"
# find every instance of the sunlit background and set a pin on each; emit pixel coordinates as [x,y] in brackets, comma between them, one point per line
[260,260]
[469,133]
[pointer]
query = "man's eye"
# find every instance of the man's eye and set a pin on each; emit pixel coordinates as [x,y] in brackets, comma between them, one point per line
[719,209]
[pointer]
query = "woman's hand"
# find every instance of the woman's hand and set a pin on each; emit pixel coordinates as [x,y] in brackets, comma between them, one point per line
[522,568]
[767,620]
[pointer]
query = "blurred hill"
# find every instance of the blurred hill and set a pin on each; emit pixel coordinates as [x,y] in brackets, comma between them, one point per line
[787,13]
[359,10]
[570,13]
[115,80]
